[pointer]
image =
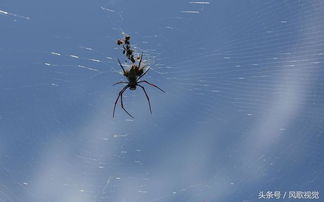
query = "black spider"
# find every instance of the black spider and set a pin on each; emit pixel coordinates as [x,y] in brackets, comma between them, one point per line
[133,75]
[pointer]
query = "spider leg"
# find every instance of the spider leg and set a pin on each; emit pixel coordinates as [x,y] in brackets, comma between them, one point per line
[122,104]
[139,64]
[120,82]
[122,67]
[143,74]
[147,97]
[151,85]
[119,94]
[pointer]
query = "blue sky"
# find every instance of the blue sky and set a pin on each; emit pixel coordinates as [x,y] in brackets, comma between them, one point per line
[242,113]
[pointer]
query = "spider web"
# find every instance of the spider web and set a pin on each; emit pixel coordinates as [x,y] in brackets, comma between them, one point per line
[243,112]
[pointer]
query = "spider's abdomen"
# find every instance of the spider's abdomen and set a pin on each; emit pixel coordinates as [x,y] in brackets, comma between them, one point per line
[132,74]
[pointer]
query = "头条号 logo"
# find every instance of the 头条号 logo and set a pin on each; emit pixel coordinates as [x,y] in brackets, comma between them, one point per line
[310,195]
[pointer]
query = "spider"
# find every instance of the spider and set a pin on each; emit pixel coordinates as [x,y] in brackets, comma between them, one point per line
[133,75]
